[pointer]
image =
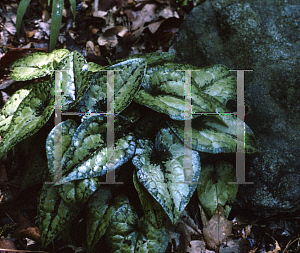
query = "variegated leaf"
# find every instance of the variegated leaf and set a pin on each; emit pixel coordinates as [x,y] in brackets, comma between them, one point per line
[32,113]
[165,179]
[216,134]
[126,83]
[77,193]
[122,233]
[74,78]
[84,152]
[151,239]
[57,143]
[8,110]
[152,209]
[53,213]
[99,212]
[214,187]
[36,65]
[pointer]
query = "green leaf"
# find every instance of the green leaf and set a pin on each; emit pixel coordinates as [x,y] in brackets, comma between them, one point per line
[57,143]
[73,5]
[122,233]
[74,79]
[53,214]
[33,112]
[20,13]
[8,110]
[56,16]
[99,212]
[150,238]
[94,67]
[166,179]
[77,193]
[152,209]
[216,134]
[126,233]
[126,83]
[83,152]
[214,187]
[36,65]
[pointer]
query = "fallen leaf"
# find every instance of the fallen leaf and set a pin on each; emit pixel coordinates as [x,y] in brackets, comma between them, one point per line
[217,229]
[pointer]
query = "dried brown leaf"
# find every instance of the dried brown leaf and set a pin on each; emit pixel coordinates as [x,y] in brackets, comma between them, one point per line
[217,229]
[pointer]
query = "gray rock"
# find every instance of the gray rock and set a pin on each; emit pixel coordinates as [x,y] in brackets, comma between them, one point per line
[263,36]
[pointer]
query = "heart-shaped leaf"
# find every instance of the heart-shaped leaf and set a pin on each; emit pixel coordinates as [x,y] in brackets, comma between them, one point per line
[126,233]
[74,78]
[165,179]
[216,134]
[53,213]
[8,110]
[32,113]
[214,187]
[126,83]
[36,65]
[152,209]
[84,152]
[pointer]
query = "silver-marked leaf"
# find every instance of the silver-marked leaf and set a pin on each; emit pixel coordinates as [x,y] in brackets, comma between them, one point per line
[151,239]
[57,143]
[214,187]
[175,106]
[164,92]
[216,134]
[96,164]
[167,180]
[8,110]
[126,233]
[152,209]
[32,113]
[74,78]
[94,67]
[87,153]
[58,55]
[36,65]
[122,233]
[151,58]
[99,212]
[126,83]
[77,193]
[53,214]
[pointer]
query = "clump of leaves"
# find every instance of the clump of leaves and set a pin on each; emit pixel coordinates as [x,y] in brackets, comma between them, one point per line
[56,17]
[148,134]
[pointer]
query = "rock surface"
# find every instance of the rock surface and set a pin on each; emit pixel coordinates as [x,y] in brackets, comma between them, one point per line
[262,36]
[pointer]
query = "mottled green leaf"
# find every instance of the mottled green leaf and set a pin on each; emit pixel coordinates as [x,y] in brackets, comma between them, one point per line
[57,143]
[53,213]
[84,152]
[152,209]
[151,239]
[77,193]
[74,79]
[121,235]
[33,112]
[99,212]
[126,233]
[126,83]
[6,114]
[216,134]
[166,179]
[36,65]
[214,187]
[94,67]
